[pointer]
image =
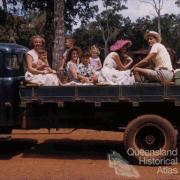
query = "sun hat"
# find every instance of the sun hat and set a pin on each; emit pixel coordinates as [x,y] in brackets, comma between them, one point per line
[154,34]
[120,44]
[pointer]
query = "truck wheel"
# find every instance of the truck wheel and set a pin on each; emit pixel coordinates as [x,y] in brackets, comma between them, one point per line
[149,138]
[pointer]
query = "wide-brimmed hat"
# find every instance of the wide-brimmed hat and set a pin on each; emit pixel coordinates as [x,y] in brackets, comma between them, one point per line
[154,34]
[120,44]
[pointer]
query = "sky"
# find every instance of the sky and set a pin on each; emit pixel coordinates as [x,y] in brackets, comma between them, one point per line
[138,9]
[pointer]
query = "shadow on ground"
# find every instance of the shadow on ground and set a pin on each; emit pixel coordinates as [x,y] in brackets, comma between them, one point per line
[63,149]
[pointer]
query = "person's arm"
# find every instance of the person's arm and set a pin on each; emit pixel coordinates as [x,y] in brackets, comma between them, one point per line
[64,59]
[117,60]
[30,68]
[99,64]
[73,71]
[129,62]
[62,64]
[145,61]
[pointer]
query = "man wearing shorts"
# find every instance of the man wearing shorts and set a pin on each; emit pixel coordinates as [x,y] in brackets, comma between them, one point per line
[158,57]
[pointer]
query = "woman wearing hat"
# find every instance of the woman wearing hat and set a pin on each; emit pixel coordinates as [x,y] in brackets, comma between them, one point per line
[159,57]
[115,65]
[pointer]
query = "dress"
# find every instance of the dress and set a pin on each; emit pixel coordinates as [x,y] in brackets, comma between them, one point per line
[70,76]
[40,79]
[95,63]
[110,75]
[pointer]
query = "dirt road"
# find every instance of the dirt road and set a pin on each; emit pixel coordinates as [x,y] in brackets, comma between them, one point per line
[76,155]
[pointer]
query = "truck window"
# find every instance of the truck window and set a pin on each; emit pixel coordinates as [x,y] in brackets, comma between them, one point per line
[12,61]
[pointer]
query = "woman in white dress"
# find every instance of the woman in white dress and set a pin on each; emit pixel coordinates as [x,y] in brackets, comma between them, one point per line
[35,75]
[115,67]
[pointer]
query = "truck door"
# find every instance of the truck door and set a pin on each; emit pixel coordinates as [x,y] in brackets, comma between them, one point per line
[0,76]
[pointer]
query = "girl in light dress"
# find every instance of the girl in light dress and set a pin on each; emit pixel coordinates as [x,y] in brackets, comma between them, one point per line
[95,61]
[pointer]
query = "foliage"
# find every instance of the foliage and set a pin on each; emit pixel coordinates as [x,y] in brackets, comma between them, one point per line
[107,21]
[36,17]
[76,10]
[88,35]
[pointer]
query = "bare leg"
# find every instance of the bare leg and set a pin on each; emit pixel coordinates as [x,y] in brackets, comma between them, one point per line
[139,74]
[149,73]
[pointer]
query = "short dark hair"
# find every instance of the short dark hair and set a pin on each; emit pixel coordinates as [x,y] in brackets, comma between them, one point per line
[86,55]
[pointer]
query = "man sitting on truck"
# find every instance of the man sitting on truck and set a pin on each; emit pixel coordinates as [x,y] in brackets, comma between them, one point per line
[159,57]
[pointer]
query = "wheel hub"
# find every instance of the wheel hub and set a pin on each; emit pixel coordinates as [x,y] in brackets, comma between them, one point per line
[150,139]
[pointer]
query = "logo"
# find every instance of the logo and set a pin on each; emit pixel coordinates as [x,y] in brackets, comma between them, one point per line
[121,166]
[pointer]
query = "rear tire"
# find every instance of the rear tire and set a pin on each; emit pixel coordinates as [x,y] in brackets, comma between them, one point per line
[148,134]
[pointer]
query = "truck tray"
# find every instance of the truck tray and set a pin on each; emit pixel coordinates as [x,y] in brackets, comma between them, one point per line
[150,92]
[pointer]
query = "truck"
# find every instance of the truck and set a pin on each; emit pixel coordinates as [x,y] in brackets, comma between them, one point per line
[147,113]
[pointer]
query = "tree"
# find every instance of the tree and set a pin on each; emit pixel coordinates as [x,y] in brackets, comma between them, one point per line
[109,31]
[4,5]
[59,33]
[75,11]
[158,6]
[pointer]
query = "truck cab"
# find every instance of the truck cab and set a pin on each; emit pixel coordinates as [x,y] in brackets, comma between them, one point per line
[11,74]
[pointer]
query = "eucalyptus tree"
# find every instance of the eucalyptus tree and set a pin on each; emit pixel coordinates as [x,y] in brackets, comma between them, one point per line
[109,30]
[59,33]
[157,6]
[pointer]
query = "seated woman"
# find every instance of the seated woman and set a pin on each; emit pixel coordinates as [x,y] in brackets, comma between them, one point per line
[115,66]
[35,74]
[86,72]
[72,66]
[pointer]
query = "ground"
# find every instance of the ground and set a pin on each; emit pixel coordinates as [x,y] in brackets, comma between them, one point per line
[76,155]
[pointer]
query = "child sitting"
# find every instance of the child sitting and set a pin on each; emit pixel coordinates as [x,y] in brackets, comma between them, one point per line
[94,59]
[86,73]
[42,63]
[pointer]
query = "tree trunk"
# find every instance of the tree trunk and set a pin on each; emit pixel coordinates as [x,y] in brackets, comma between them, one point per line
[49,29]
[105,48]
[59,33]
[159,24]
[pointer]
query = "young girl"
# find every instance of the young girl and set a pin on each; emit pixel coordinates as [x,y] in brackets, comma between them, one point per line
[95,61]
[86,73]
